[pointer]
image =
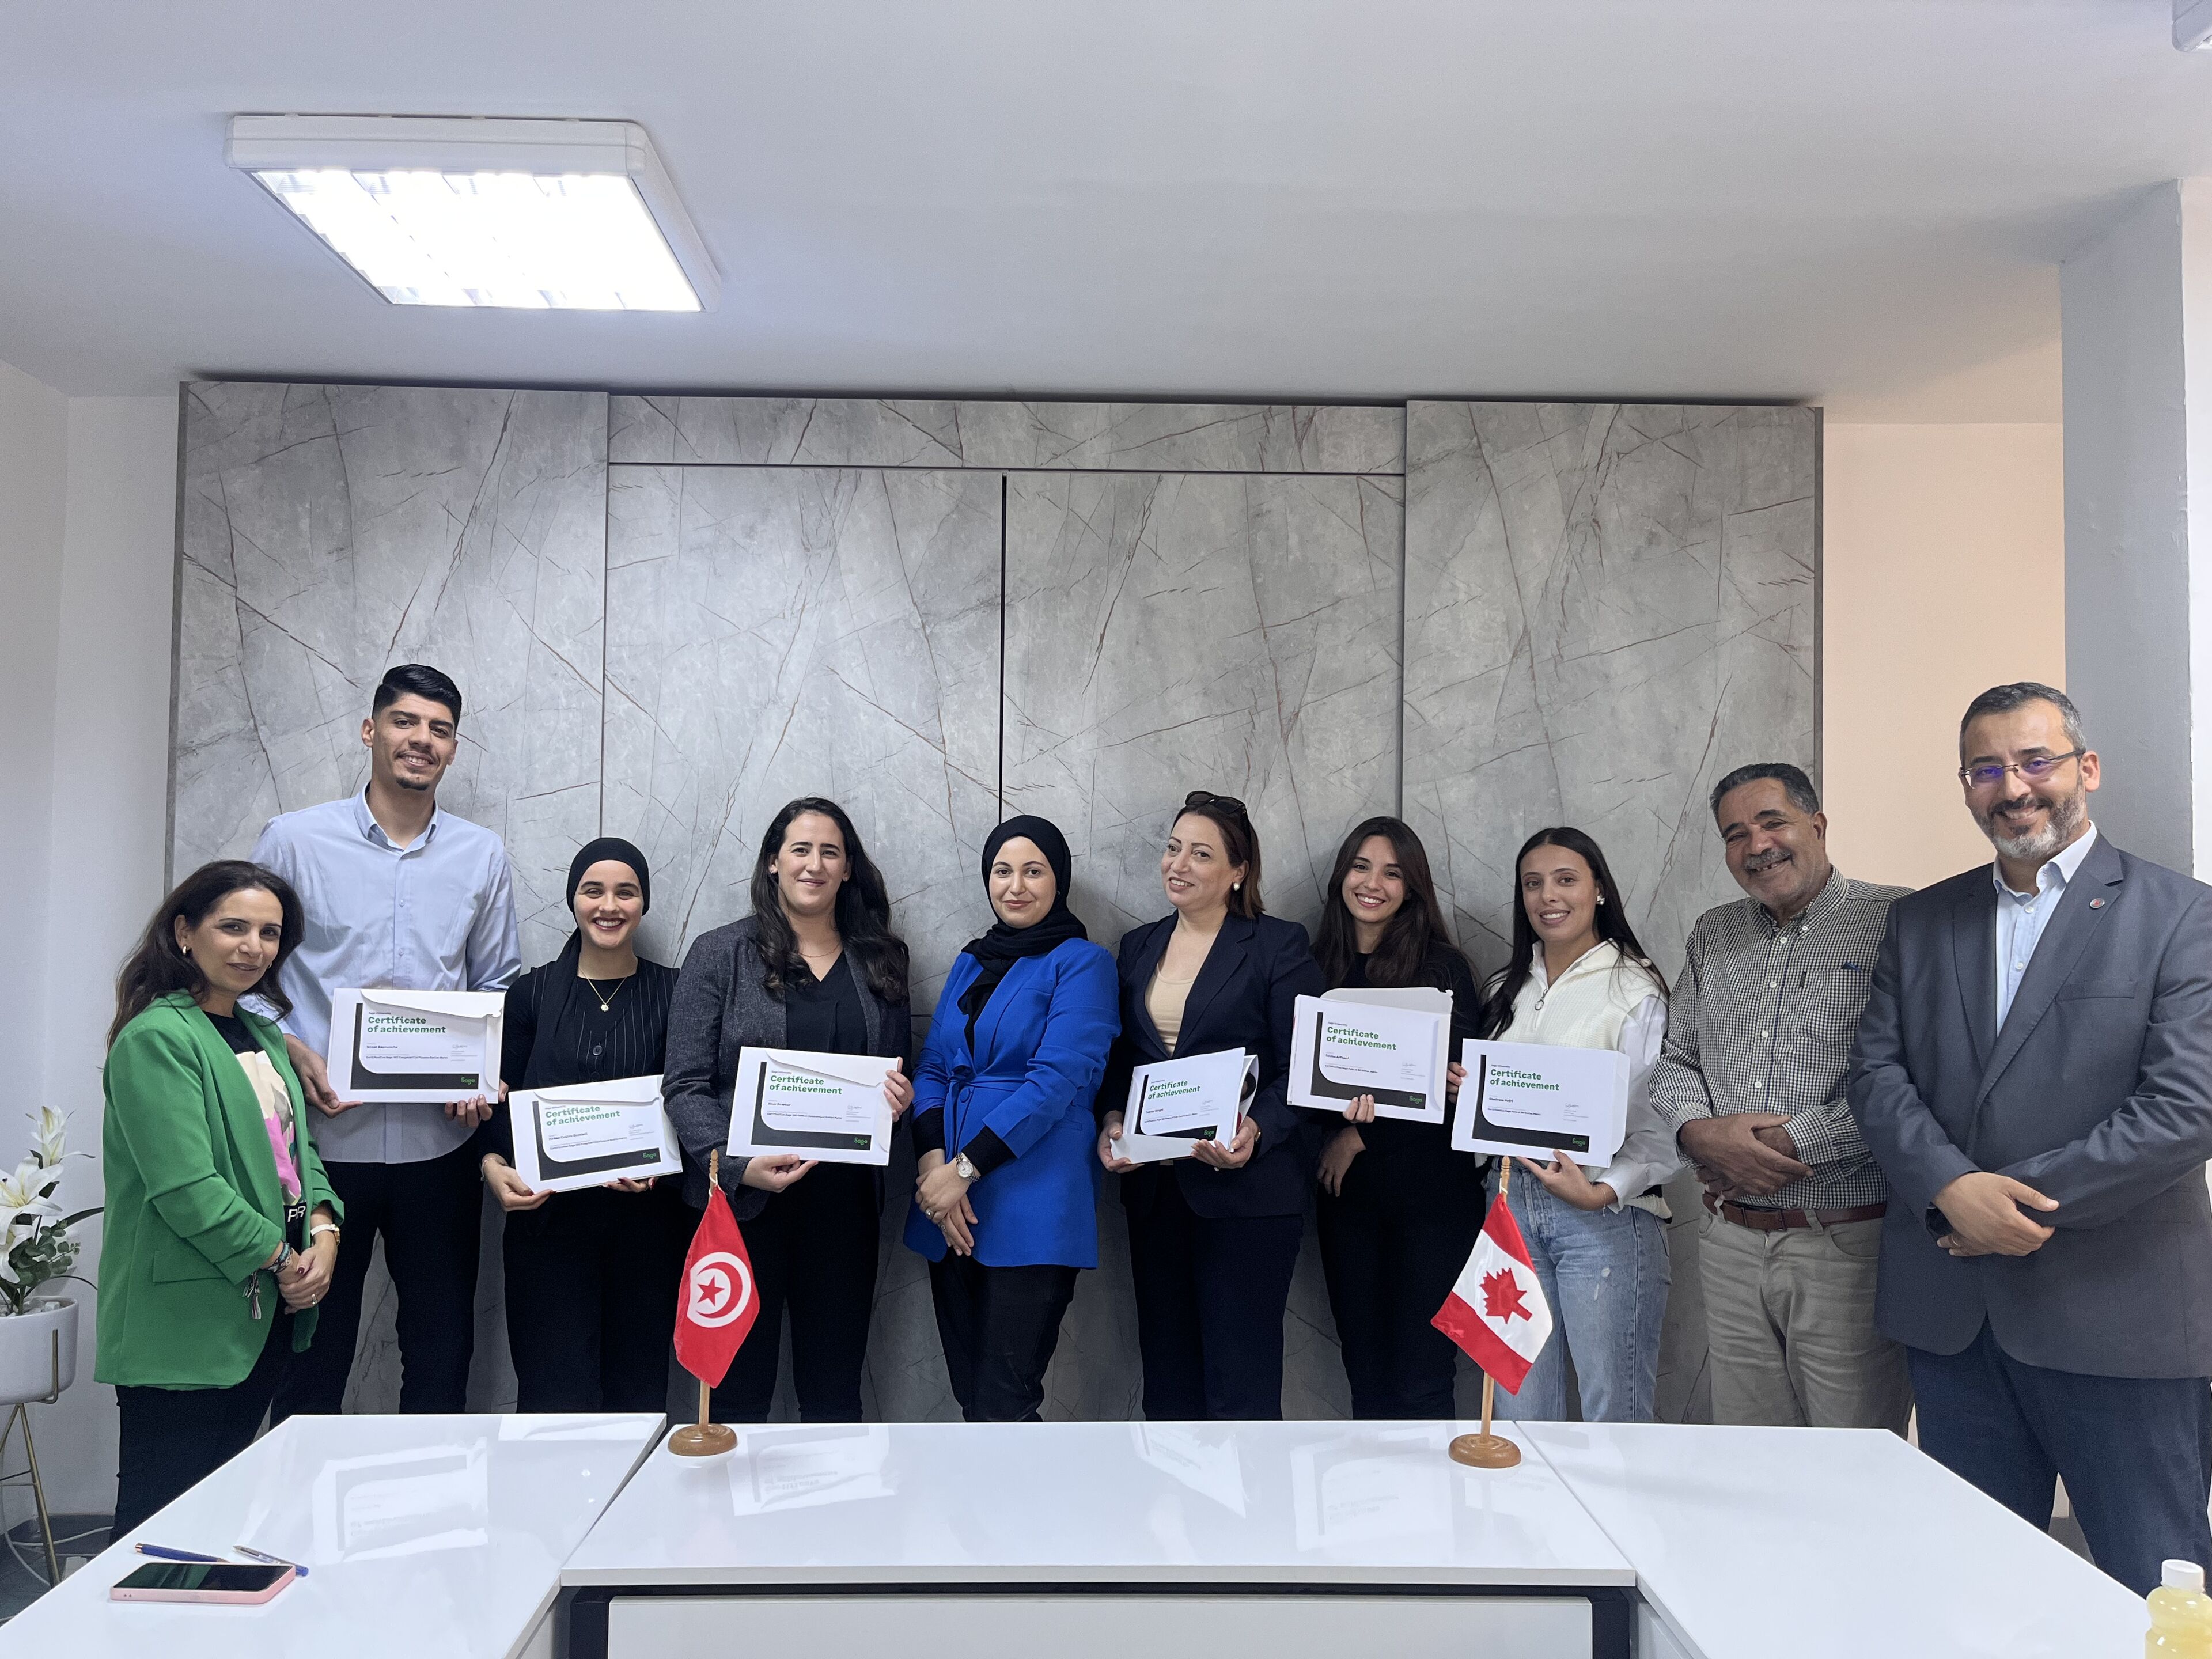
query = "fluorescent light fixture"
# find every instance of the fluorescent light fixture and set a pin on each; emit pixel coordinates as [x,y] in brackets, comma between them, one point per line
[2192,25]
[437,210]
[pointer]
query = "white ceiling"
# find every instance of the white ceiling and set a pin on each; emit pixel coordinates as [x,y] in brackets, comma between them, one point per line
[1859,201]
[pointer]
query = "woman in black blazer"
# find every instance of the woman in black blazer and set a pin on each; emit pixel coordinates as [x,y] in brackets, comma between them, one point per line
[1213,1238]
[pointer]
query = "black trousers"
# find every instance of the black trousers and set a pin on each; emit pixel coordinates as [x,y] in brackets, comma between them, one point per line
[430,1216]
[1390,1260]
[999,1326]
[1210,1299]
[813,1250]
[2136,1452]
[592,1282]
[172,1439]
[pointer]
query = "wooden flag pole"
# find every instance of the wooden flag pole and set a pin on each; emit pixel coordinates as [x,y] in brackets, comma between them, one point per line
[705,1438]
[1487,1450]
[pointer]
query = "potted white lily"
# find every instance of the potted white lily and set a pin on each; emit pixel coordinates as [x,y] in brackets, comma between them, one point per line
[36,1250]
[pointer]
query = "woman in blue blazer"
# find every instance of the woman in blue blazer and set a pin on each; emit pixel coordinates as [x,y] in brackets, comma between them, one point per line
[1005,1203]
[1213,1238]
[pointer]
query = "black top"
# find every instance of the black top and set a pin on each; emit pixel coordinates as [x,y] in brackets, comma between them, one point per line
[823,1016]
[630,1038]
[242,1041]
[1418,1156]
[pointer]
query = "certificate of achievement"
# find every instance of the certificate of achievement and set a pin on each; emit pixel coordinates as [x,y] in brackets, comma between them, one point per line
[416,1045]
[830,1107]
[1531,1099]
[1175,1104]
[586,1134]
[1340,1048]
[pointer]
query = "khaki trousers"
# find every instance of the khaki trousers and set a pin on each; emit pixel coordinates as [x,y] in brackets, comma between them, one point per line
[1789,1321]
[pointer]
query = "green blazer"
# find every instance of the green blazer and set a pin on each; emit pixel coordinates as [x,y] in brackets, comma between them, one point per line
[193,1207]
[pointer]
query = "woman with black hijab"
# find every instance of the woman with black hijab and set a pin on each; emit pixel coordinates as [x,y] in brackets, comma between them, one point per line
[591,1276]
[1004,1206]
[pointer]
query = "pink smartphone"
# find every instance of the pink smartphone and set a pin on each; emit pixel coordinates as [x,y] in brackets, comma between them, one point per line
[201,1581]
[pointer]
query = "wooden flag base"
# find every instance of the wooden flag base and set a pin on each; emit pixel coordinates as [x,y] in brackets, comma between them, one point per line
[704,1440]
[1485,1451]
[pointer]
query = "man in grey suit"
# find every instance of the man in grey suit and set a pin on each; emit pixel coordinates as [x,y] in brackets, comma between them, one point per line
[2034,1072]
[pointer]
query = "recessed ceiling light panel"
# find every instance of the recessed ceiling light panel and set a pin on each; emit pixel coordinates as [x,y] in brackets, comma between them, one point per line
[432,210]
[2192,25]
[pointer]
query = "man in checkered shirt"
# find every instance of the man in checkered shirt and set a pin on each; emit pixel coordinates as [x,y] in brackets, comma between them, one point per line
[1758,1036]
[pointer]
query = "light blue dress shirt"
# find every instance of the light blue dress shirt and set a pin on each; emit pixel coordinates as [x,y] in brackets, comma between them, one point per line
[438,915]
[2021,917]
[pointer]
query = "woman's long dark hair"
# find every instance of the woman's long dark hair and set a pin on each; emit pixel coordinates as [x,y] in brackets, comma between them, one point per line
[863,910]
[155,967]
[1401,954]
[1612,926]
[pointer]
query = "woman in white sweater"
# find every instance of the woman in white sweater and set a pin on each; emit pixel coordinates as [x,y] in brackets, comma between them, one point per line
[1578,979]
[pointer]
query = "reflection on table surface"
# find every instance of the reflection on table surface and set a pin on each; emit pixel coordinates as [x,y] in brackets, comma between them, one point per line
[425,1535]
[1094,1502]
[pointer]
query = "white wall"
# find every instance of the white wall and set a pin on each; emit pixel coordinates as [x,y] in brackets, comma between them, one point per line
[1943,573]
[88,533]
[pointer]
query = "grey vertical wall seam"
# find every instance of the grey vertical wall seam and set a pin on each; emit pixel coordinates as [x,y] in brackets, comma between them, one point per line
[1004,488]
[606,581]
[1819,600]
[176,645]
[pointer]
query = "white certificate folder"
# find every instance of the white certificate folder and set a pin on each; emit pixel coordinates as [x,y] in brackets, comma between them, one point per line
[586,1134]
[830,1107]
[1532,1099]
[1388,1044]
[389,1044]
[1174,1104]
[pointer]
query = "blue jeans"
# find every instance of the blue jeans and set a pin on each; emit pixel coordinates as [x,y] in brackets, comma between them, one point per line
[2136,1452]
[1605,1273]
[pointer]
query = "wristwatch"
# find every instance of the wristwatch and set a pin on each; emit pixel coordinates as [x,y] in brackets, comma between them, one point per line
[964,1167]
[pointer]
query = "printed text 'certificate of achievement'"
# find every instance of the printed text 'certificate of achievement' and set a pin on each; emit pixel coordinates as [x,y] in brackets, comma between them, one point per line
[1340,1050]
[416,1045]
[1175,1104]
[1531,1099]
[586,1134]
[826,1106]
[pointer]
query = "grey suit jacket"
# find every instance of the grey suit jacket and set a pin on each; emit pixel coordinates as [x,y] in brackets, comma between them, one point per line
[2098,1092]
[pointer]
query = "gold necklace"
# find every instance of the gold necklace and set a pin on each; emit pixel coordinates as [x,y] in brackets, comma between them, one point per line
[606,997]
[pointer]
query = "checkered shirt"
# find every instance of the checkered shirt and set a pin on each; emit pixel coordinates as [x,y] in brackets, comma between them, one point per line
[1761,1021]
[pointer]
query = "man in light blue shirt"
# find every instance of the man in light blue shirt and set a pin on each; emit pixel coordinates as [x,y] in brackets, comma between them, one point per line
[395,893]
[2021,917]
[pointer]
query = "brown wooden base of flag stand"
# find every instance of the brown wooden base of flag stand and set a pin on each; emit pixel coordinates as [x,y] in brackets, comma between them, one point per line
[705,1438]
[1487,1450]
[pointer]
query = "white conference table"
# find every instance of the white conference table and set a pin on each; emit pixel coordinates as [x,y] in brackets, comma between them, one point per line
[426,1537]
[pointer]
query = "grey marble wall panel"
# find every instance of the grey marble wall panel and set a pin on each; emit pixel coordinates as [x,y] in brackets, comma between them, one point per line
[1289,437]
[1607,606]
[778,632]
[1167,632]
[331,532]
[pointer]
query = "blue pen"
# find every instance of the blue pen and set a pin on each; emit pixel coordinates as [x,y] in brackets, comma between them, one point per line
[269,1560]
[162,1552]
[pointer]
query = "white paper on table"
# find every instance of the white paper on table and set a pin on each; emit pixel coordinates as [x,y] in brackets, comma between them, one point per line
[1340,1048]
[586,1134]
[1174,1104]
[1356,1491]
[403,1503]
[830,1107]
[400,1045]
[805,1465]
[1532,1099]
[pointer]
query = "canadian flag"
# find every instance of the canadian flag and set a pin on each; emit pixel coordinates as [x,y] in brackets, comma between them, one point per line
[1496,1311]
[718,1303]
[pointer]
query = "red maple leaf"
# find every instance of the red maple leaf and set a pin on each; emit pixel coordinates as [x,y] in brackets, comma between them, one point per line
[1501,1297]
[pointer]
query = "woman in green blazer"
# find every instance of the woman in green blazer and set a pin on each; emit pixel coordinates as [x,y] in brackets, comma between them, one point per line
[220,1229]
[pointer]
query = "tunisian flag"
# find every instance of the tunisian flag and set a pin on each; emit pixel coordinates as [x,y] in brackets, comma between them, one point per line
[718,1303]
[1496,1311]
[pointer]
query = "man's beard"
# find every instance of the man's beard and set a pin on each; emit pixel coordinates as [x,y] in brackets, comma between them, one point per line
[2062,824]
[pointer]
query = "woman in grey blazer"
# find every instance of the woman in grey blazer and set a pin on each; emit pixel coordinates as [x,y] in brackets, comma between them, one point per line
[817,967]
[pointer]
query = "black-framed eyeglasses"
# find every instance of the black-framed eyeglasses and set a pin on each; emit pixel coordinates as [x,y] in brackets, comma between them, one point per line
[2034,770]
[1228,804]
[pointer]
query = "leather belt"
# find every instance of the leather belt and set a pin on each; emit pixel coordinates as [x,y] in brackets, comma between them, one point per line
[1774,1221]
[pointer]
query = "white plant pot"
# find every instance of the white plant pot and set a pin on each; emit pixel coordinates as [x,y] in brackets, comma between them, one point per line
[27,1349]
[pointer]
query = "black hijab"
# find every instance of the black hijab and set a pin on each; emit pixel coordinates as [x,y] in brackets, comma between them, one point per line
[553,1005]
[1003,946]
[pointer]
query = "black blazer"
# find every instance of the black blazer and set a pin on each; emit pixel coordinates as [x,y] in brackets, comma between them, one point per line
[1245,997]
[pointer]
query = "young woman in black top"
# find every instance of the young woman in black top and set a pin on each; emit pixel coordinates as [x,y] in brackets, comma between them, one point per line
[817,967]
[1398,1209]
[591,1276]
